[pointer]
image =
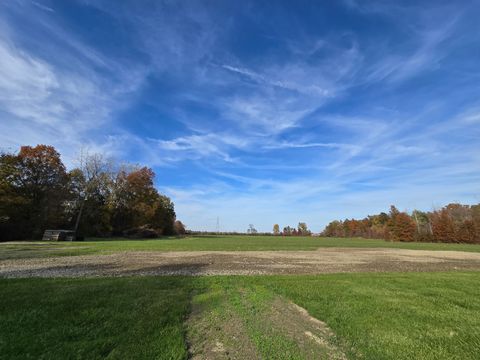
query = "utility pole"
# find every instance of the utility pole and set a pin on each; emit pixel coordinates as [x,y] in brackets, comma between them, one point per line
[218,225]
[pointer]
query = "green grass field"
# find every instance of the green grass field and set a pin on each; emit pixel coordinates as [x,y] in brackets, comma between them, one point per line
[368,315]
[374,316]
[93,318]
[208,243]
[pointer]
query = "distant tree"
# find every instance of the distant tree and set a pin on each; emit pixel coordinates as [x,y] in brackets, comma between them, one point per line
[141,197]
[287,231]
[463,223]
[443,226]
[334,229]
[93,183]
[164,216]
[383,218]
[135,202]
[352,227]
[401,226]
[466,232]
[113,199]
[251,230]
[424,230]
[422,221]
[276,229]
[179,228]
[303,229]
[404,228]
[475,210]
[452,223]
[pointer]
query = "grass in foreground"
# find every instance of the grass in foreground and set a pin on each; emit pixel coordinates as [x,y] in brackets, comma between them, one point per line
[121,318]
[208,243]
[395,316]
[374,316]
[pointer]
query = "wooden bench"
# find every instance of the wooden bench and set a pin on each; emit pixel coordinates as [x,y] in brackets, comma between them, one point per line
[58,235]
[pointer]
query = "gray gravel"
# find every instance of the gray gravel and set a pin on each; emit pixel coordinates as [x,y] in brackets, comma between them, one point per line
[324,260]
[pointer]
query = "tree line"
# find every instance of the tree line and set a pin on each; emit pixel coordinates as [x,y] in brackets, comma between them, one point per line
[38,193]
[455,223]
[300,230]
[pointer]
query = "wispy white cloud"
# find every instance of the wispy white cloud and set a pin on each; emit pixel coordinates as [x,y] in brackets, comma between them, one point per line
[403,165]
[425,57]
[45,100]
[199,146]
[43,7]
[284,93]
[330,126]
[291,145]
[290,84]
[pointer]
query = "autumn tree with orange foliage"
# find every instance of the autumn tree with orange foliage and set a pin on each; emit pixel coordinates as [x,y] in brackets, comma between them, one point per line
[135,202]
[37,193]
[33,188]
[401,227]
[453,223]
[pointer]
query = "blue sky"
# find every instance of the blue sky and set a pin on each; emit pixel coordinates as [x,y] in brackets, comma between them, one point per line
[255,112]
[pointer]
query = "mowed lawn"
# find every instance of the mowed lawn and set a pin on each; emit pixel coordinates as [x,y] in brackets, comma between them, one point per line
[134,318]
[208,243]
[373,316]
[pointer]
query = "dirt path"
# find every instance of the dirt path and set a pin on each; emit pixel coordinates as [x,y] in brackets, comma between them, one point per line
[324,260]
[237,325]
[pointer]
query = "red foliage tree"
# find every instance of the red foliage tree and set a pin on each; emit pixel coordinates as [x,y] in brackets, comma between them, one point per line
[401,226]
[442,226]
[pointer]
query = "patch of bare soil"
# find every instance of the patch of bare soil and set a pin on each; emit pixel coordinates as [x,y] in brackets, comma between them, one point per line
[313,337]
[324,260]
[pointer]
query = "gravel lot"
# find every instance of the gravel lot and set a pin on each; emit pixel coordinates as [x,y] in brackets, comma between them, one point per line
[324,260]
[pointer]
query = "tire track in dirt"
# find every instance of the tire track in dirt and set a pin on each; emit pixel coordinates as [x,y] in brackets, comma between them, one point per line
[238,325]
